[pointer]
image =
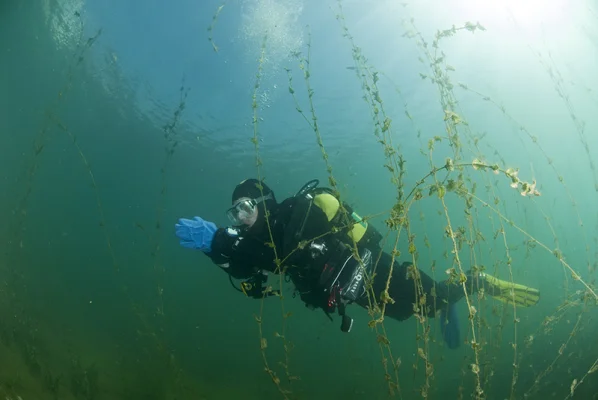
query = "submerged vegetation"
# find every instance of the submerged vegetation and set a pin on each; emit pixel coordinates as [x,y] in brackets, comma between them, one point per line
[458,175]
[471,208]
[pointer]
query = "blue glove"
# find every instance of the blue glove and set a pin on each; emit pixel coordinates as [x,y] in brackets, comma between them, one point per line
[196,233]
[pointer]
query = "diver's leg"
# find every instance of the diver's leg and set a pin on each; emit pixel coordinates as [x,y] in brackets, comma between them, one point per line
[405,291]
[401,289]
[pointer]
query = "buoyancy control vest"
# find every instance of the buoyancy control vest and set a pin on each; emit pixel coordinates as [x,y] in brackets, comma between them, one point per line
[329,249]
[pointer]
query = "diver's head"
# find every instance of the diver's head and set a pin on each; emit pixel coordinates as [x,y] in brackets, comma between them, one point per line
[246,200]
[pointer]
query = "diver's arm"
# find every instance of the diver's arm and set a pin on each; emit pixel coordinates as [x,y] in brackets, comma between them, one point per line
[220,244]
[227,253]
[236,256]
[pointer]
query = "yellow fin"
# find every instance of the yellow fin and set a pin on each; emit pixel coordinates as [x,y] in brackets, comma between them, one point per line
[510,292]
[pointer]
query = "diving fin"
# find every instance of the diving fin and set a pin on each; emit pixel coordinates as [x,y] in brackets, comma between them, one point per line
[449,326]
[509,292]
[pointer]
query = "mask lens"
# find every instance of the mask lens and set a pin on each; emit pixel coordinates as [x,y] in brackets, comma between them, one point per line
[245,207]
[241,211]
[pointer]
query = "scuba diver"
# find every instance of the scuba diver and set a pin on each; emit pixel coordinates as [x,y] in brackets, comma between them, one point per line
[326,250]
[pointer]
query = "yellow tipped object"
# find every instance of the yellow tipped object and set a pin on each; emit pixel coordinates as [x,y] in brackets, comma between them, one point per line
[511,293]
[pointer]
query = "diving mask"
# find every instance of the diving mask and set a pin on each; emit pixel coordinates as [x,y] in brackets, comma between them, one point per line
[244,211]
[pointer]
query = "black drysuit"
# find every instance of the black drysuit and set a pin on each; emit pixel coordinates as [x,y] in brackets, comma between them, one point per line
[247,253]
